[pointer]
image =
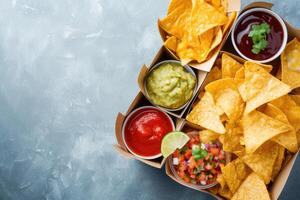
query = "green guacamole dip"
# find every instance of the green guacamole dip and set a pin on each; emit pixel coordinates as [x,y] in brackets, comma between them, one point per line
[170,85]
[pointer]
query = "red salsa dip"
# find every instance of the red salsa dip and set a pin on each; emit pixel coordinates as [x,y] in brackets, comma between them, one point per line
[145,129]
[274,37]
[199,163]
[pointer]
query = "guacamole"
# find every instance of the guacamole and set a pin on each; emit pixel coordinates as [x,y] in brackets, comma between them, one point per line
[170,85]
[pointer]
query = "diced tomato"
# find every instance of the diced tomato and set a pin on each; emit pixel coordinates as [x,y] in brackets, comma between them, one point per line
[200,163]
[188,154]
[192,163]
[221,156]
[213,171]
[202,176]
[176,153]
[193,176]
[208,167]
[207,157]
[214,151]
[181,174]
[186,179]
[221,165]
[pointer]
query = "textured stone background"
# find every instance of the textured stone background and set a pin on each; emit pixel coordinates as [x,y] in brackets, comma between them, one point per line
[66,68]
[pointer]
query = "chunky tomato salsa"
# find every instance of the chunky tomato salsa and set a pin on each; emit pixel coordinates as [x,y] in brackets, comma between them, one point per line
[199,163]
[145,129]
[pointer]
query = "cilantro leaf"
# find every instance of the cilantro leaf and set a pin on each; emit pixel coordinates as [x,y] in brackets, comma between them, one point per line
[258,35]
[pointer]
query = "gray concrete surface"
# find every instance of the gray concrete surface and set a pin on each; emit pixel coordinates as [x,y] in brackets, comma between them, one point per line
[66,68]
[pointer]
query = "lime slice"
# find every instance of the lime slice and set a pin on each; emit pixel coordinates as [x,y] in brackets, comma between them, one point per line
[172,141]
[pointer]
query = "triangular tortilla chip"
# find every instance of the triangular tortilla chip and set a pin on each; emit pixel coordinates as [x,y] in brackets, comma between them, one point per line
[258,128]
[177,21]
[176,3]
[262,160]
[287,139]
[260,87]
[227,97]
[204,17]
[206,114]
[290,109]
[214,74]
[296,98]
[229,66]
[253,188]
[235,173]
[171,43]
[290,64]
[232,138]
[278,163]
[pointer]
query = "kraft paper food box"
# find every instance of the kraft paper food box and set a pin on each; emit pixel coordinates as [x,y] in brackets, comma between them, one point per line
[276,189]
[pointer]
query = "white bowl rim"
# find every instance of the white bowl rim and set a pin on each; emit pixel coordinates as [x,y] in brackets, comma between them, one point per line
[126,121]
[285,34]
[187,67]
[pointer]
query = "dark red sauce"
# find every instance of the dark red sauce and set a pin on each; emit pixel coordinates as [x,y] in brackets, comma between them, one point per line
[144,131]
[274,38]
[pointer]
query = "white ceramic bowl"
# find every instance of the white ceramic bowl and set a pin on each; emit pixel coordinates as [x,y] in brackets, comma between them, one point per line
[126,121]
[187,68]
[270,12]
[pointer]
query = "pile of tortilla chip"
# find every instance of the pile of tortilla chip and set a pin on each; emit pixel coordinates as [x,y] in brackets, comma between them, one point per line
[196,28]
[256,117]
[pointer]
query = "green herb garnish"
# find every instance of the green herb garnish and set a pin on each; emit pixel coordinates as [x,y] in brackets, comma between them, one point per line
[258,34]
[198,153]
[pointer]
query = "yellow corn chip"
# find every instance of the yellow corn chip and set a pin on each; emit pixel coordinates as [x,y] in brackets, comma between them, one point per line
[290,64]
[262,160]
[177,21]
[260,87]
[232,138]
[171,43]
[206,114]
[176,3]
[278,163]
[296,98]
[207,136]
[229,66]
[253,188]
[227,97]
[214,74]
[287,139]
[290,109]
[258,128]
[235,173]
[205,17]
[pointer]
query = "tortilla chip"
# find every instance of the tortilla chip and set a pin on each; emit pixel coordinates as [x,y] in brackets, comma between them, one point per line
[171,43]
[260,87]
[221,181]
[217,39]
[177,21]
[205,17]
[232,138]
[229,66]
[278,162]
[225,192]
[206,114]
[290,109]
[176,3]
[290,64]
[258,128]
[229,23]
[207,136]
[214,74]
[235,173]
[262,160]
[253,188]
[296,98]
[227,97]
[287,139]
